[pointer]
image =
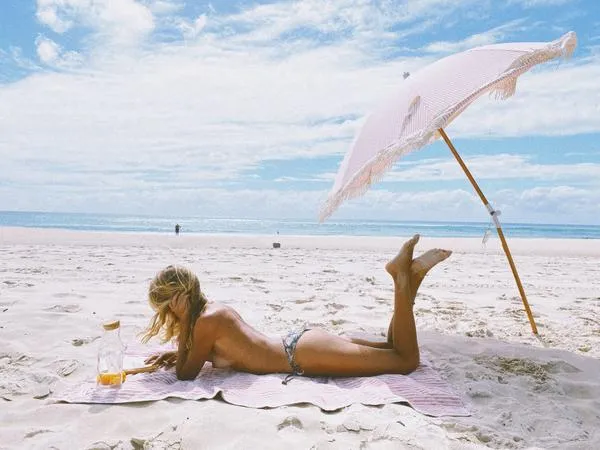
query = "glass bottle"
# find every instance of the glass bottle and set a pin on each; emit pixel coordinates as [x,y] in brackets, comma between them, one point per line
[110,356]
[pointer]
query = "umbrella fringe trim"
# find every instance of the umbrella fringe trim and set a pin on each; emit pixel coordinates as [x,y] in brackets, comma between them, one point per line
[562,48]
[502,88]
[376,169]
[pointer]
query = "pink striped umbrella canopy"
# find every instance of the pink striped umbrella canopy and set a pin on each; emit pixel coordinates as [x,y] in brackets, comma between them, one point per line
[431,99]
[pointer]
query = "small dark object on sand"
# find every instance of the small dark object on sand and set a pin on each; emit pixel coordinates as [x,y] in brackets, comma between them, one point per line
[276,245]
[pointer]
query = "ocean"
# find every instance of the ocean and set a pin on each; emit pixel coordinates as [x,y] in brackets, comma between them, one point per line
[199,225]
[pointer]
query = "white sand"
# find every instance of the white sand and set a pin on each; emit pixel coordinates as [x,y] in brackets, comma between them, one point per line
[56,288]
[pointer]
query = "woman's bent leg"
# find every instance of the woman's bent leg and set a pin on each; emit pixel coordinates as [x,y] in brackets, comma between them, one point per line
[370,342]
[404,330]
[419,268]
[320,353]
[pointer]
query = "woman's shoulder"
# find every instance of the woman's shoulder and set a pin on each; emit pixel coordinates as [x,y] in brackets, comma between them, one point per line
[212,318]
[217,311]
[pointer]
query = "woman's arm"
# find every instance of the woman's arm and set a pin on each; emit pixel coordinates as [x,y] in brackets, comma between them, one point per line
[190,361]
[192,353]
[166,359]
[182,352]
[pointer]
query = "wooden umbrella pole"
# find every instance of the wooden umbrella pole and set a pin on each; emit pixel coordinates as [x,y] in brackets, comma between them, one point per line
[498,227]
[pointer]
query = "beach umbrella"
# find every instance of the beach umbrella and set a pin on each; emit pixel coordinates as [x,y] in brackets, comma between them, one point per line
[426,103]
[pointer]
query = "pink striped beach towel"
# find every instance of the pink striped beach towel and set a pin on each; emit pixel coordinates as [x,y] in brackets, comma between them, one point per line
[423,389]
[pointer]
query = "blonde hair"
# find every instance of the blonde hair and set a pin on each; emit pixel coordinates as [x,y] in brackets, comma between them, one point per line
[169,282]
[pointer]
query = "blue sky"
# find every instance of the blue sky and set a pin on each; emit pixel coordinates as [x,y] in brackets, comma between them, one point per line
[246,109]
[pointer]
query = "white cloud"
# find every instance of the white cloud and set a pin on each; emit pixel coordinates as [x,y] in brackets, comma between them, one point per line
[47,50]
[175,124]
[203,104]
[540,3]
[363,20]
[496,167]
[47,14]
[114,22]
[191,30]
[51,54]
[554,204]
[164,6]
[557,100]
[488,37]
[14,56]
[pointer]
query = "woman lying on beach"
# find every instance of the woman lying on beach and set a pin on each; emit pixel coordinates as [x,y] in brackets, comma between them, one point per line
[207,331]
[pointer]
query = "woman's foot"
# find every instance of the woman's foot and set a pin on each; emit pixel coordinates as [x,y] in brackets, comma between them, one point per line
[419,266]
[427,261]
[403,260]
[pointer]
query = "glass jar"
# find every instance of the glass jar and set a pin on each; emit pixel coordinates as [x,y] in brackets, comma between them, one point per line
[110,356]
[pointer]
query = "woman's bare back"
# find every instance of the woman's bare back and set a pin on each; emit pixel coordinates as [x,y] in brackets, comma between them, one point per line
[239,346]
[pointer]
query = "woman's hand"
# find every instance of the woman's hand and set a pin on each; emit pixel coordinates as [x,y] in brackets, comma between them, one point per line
[180,306]
[166,359]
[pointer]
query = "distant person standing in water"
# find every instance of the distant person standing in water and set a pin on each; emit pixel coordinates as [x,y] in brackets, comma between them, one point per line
[177,228]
